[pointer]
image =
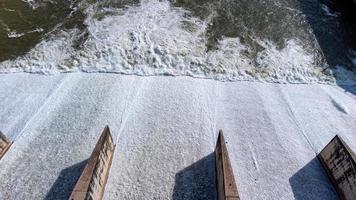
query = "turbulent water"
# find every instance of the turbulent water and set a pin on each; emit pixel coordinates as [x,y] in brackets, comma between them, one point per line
[299,41]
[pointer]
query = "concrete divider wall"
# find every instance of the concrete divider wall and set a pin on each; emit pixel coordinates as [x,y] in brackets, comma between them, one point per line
[4,144]
[339,162]
[226,185]
[91,183]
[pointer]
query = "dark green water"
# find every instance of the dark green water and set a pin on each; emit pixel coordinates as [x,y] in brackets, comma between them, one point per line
[30,25]
[324,32]
[279,21]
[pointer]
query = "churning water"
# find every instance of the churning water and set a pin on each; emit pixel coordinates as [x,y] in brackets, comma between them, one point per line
[299,41]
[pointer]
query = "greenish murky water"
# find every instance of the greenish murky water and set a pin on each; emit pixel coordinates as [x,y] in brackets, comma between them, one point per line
[314,33]
[22,27]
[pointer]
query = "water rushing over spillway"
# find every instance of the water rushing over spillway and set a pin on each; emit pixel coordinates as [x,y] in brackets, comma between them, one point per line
[165,136]
[276,41]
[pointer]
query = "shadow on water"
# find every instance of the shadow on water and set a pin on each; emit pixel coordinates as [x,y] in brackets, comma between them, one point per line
[311,182]
[196,181]
[334,25]
[64,185]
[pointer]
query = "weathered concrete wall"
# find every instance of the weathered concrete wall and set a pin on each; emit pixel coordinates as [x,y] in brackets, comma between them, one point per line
[91,183]
[226,185]
[340,164]
[4,144]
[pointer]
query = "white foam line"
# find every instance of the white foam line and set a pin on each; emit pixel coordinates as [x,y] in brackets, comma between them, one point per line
[44,105]
[214,129]
[296,121]
[128,106]
[254,158]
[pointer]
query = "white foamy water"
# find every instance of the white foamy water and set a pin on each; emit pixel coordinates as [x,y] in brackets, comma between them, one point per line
[48,57]
[328,12]
[154,38]
[14,34]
